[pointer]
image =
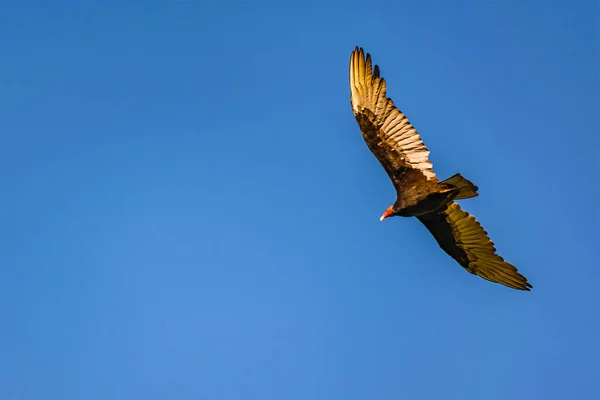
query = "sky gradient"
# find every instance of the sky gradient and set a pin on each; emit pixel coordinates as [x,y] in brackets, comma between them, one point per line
[189,210]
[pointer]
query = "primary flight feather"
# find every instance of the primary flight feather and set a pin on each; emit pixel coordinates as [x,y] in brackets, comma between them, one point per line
[400,150]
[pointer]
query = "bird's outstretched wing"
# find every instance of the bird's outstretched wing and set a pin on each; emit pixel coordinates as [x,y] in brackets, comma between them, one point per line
[461,236]
[388,133]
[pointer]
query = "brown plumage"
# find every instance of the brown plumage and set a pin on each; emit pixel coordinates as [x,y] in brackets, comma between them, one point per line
[401,152]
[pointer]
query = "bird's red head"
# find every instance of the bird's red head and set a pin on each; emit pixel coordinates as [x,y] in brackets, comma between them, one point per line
[389,211]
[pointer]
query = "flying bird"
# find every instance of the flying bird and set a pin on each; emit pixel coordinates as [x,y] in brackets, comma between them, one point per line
[419,193]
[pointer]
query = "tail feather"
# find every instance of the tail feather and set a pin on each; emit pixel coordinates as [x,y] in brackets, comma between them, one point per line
[466,188]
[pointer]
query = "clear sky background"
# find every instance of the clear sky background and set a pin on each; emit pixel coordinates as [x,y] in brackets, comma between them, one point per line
[189,211]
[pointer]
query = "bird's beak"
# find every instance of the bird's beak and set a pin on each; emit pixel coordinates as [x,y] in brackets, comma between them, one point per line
[386,214]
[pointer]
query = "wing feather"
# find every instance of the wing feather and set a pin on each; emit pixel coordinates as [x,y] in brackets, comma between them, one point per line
[381,121]
[461,236]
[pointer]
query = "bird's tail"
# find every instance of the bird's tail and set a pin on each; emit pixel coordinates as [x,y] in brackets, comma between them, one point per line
[466,188]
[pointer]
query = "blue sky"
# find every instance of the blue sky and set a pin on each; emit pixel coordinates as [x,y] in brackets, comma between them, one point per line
[189,210]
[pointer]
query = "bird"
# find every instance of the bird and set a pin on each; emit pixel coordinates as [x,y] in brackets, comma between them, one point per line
[419,193]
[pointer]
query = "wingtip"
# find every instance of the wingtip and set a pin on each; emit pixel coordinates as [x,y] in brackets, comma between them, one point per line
[522,284]
[358,50]
[527,288]
[526,285]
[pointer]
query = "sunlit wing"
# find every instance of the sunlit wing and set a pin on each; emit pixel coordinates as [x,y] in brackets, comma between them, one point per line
[461,236]
[388,133]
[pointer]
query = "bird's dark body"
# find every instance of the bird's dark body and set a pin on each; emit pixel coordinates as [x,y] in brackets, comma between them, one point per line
[407,205]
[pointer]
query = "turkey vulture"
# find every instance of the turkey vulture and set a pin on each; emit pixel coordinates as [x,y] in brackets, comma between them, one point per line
[398,147]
